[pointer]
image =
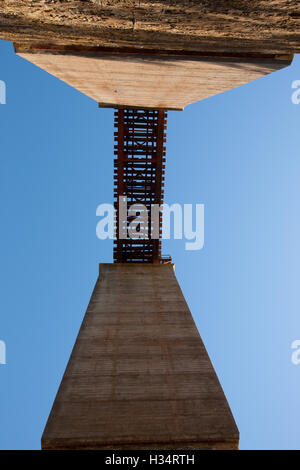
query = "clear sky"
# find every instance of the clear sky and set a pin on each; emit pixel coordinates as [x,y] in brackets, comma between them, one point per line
[237,153]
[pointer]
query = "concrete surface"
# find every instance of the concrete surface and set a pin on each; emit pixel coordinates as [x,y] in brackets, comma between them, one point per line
[139,376]
[141,81]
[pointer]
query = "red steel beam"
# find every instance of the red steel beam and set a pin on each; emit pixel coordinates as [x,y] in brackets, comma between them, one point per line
[139,176]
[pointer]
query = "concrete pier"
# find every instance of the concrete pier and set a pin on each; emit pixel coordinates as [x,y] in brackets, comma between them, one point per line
[139,376]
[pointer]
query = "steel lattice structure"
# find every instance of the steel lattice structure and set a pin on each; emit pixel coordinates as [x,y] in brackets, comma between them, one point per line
[138,179]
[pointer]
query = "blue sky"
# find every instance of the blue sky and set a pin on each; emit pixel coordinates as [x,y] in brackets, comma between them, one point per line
[237,153]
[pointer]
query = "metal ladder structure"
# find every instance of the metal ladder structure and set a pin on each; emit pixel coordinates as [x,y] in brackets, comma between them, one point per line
[139,169]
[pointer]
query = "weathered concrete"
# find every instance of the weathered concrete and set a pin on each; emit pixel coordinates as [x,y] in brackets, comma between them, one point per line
[244,26]
[139,376]
[121,52]
[151,81]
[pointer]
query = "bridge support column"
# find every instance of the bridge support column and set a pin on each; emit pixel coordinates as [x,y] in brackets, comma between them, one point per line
[139,376]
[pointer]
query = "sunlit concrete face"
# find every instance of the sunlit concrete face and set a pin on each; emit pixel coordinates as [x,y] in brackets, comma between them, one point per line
[139,376]
[149,81]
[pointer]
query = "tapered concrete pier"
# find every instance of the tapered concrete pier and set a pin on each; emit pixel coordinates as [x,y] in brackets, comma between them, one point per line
[139,376]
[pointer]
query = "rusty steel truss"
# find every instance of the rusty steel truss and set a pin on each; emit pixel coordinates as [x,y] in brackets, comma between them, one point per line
[139,169]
